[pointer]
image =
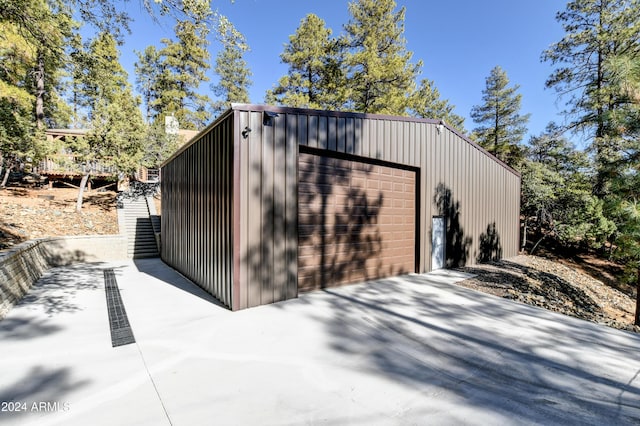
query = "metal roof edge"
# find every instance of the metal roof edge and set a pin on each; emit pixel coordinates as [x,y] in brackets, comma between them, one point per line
[329,113]
[481,149]
[199,135]
[339,114]
[351,114]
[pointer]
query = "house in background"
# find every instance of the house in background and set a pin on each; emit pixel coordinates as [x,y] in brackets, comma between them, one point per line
[268,202]
[67,168]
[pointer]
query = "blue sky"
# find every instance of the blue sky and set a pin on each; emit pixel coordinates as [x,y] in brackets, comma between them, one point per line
[459,41]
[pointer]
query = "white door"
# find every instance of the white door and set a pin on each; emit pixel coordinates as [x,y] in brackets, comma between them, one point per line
[438,239]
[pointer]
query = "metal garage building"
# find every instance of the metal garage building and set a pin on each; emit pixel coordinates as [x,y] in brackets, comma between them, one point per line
[268,201]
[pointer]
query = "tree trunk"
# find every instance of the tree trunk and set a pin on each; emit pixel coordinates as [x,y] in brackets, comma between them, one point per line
[524,235]
[83,183]
[6,175]
[39,77]
[535,246]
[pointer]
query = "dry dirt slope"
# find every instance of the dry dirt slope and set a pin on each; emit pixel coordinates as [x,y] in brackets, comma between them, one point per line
[35,213]
[569,288]
[558,287]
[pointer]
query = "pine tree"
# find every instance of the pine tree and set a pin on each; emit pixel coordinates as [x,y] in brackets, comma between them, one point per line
[315,78]
[32,39]
[501,127]
[595,30]
[102,77]
[117,127]
[148,70]
[381,76]
[231,67]
[623,201]
[426,103]
[159,145]
[572,216]
[16,100]
[184,64]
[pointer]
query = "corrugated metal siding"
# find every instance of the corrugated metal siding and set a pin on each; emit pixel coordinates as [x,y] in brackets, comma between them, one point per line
[268,244]
[477,194]
[197,211]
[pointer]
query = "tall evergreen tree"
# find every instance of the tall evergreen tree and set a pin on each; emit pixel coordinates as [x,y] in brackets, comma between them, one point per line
[102,76]
[231,67]
[148,70]
[381,76]
[501,127]
[184,64]
[117,127]
[623,201]
[316,77]
[32,39]
[595,30]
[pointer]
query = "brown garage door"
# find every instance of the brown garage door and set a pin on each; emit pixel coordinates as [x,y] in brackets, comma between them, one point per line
[356,221]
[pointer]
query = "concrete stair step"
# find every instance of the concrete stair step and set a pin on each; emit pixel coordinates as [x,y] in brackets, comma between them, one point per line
[139,228]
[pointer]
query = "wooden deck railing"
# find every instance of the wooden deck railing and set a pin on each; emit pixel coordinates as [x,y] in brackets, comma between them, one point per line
[72,165]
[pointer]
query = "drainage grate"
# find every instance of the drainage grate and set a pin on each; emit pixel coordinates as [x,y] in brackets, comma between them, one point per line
[121,333]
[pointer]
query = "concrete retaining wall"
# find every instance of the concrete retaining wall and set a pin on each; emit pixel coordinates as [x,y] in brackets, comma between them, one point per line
[25,263]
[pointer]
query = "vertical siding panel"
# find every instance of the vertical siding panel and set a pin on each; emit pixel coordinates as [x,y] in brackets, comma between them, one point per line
[323,133]
[459,165]
[332,133]
[215,140]
[253,254]
[208,189]
[390,144]
[244,212]
[425,191]
[267,205]
[392,141]
[279,205]
[366,138]
[357,136]
[372,140]
[291,212]
[407,136]
[215,229]
[342,140]
[420,143]
[411,145]
[313,131]
[380,138]
[435,163]
[303,136]
[349,136]
[226,223]
[203,217]
[226,217]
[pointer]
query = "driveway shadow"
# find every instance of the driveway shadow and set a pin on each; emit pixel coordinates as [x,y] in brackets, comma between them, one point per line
[517,361]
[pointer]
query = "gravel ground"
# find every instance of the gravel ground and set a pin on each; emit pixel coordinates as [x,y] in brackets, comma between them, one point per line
[548,284]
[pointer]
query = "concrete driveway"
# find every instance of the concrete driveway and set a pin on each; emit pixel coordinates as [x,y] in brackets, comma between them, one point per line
[410,350]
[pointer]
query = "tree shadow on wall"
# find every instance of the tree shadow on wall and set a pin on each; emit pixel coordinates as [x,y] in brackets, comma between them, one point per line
[490,246]
[270,261]
[457,245]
